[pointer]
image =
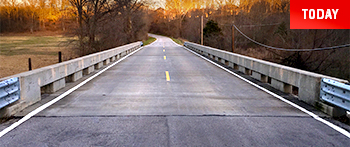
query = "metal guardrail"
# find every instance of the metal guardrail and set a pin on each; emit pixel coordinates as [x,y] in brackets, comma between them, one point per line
[335,93]
[9,91]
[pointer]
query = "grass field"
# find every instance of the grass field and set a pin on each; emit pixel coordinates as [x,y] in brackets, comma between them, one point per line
[43,51]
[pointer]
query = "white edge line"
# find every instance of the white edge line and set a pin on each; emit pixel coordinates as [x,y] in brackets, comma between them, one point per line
[152,42]
[48,104]
[316,117]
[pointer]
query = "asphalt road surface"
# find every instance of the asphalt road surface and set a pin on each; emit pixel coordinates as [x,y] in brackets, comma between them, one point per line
[164,95]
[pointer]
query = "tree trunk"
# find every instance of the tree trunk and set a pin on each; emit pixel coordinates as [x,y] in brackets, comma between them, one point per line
[92,28]
[32,26]
[180,27]
[80,21]
[128,28]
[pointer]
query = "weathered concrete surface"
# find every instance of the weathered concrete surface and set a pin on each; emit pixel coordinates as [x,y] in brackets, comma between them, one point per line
[173,131]
[88,70]
[132,104]
[56,85]
[98,65]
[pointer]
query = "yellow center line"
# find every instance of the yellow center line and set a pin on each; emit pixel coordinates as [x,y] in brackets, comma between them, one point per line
[164,57]
[167,76]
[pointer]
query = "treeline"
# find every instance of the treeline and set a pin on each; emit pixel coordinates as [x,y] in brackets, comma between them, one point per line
[98,24]
[103,24]
[266,21]
[34,15]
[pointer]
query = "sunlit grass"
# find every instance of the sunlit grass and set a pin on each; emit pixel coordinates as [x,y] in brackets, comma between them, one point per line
[149,41]
[178,41]
[18,45]
[43,51]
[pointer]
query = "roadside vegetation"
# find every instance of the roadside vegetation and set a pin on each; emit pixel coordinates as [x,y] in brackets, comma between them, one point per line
[149,40]
[84,26]
[178,41]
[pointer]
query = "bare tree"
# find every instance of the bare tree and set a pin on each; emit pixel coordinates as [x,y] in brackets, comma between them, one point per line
[94,15]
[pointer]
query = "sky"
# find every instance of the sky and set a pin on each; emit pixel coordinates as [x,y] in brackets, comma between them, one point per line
[157,3]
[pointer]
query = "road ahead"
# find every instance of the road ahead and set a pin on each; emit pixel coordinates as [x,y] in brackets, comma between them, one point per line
[164,95]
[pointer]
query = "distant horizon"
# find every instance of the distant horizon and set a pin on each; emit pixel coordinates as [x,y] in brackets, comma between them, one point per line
[162,3]
[157,4]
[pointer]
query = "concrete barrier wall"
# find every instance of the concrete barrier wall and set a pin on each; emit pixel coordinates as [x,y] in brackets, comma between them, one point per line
[304,84]
[52,78]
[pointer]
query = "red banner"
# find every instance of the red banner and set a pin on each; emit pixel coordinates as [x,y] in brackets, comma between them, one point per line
[319,14]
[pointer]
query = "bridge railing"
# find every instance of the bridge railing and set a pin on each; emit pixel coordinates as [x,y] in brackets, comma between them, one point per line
[52,78]
[304,84]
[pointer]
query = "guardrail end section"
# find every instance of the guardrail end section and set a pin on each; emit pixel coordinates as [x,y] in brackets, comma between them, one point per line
[335,93]
[9,91]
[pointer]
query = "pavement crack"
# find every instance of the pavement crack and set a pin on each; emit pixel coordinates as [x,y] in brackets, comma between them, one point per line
[167,131]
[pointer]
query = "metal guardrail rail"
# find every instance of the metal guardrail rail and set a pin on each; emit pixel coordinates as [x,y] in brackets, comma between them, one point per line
[335,93]
[9,91]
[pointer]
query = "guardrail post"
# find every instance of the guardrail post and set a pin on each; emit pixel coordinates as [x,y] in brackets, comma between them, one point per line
[256,75]
[106,62]
[98,65]
[59,57]
[30,64]
[88,70]
[76,76]
[112,59]
[55,86]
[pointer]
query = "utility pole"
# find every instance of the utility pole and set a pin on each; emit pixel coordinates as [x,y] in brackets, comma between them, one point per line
[233,38]
[202,30]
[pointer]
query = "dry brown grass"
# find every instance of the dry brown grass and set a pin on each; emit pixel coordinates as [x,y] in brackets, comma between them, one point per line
[15,49]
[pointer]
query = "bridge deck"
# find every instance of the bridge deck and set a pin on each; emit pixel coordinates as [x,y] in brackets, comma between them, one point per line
[133,104]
